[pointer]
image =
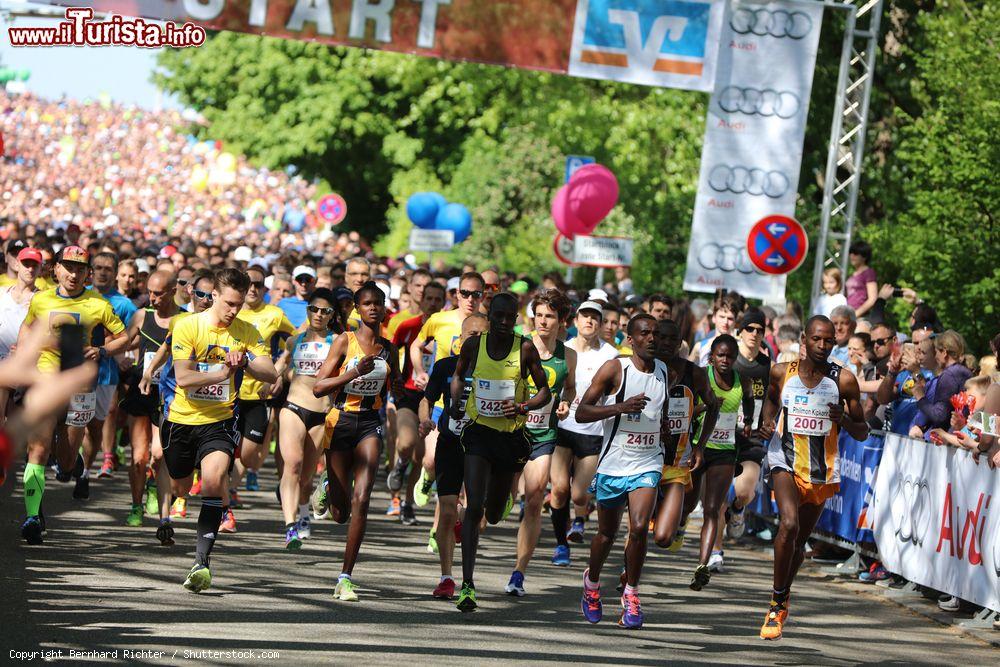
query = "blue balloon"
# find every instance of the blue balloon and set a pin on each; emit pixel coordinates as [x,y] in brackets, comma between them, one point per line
[456,218]
[422,208]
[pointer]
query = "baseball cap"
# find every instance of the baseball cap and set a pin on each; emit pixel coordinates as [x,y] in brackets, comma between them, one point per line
[591,305]
[518,287]
[141,266]
[633,301]
[453,283]
[597,295]
[242,254]
[304,270]
[30,253]
[167,251]
[14,246]
[343,293]
[73,253]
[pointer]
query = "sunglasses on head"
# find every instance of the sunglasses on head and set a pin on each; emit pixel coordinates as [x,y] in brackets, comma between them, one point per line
[204,296]
[325,310]
[471,294]
[881,341]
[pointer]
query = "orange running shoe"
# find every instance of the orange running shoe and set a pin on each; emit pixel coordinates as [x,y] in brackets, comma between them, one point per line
[774,620]
[179,508]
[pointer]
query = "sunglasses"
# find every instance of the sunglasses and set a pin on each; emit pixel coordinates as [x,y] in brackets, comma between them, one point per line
[754,329]
[204,296]
[317,309]
[303,279]
[257,284]
[182,282]
[492,287]
[881,341]
[471,294]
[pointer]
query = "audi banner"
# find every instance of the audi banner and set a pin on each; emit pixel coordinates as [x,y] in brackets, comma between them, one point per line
[752,152]
[936,519]
[667,43]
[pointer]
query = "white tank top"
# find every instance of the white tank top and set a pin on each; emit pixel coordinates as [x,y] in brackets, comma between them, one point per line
[588,363]
[632,440]
[12,314]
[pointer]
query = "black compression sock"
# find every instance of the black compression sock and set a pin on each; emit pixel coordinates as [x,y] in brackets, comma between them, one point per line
[209,519]
[560,523]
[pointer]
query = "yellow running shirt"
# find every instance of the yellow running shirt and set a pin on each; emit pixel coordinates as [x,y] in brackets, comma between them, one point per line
[444,327]
[195,338]
[88,309]
[493,382]
[270,322]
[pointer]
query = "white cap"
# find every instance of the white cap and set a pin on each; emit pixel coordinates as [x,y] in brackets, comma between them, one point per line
[591,305]
[302,269]
[597,295]
[453,283]
[243,254]
[268,282]
[385,289]
[141,266]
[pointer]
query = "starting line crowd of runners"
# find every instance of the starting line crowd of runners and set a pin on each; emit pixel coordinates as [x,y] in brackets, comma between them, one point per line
[482,391]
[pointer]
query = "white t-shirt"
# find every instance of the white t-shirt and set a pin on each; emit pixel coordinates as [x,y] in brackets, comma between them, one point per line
[588,363]
[827,302]
[12,314]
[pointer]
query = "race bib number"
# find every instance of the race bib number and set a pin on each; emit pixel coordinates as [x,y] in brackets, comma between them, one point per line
[809,413]
[725,429]
[427,359]
[147,361]
[539,419]
[308,358]
[82,408]
[490,395]
[637,432]
[370,384]
[212,393]
[678,419]
[457,426]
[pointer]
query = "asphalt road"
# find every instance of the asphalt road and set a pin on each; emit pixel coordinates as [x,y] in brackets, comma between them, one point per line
[96,585]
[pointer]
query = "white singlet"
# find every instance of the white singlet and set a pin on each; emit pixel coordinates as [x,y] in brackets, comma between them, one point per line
[12,314]
[588,363]
[632,441]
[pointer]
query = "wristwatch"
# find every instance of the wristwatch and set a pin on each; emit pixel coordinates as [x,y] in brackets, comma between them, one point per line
[522,408]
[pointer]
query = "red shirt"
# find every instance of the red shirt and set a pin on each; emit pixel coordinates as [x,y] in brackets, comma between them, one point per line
[406,333]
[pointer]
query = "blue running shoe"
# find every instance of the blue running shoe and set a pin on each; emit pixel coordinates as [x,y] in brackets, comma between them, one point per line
[561,556]
[631,612]
[31,530]
[516,584]
[590,603]
[575,532]
[253,484]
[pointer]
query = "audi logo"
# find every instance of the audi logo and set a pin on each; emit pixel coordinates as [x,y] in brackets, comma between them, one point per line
[726,258]
[767,102]
[748,180]
[911,505]
[778,23]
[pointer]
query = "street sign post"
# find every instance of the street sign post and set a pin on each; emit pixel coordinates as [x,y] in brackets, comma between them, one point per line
[563,249]
[777,244]
[431,240]
[574,162]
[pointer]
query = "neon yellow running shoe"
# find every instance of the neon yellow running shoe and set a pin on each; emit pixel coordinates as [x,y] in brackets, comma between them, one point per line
[467,599]
[507,508]
[678,540]
[422,491]
[432,543]
[134,519]
[345,590]
[199,579]
[152,500]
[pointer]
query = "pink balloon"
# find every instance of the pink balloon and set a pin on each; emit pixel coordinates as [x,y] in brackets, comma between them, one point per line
[566,221]
[592,193]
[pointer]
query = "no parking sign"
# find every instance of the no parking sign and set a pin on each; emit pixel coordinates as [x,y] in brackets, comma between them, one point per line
[777,244]
[332,208]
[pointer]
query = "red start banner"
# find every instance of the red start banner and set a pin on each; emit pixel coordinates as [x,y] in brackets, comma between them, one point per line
[668,43]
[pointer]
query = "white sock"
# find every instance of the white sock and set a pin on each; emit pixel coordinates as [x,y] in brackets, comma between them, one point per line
[447,576]
[86,474]
[344,575]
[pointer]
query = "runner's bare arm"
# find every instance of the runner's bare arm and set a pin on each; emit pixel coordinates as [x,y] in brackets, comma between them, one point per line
[533,363]
[116,344]
[395,376]
[772,402]
[189,377]
[703,390]
[569,386]
[607,379]
[851,419]
[470,348]
[417,359]
[748,406]
[261,368]
[134,327]
[327,381]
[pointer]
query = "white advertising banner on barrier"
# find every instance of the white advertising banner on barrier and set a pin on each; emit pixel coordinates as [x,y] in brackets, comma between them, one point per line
[936,519]
[752,152]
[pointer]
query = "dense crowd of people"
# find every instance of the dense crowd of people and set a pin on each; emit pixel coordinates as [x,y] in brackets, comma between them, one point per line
[206,318]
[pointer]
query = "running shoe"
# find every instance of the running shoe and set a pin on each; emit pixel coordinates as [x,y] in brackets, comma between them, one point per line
[273,446]
[874,574]
[766,535]
[31,530]
[318,499]
[345,590]
[152,498]
[305,527]
[458,531]
[678,541]
[253,483]
[432,543]
[134,519]
[41,518]
[165,534]
[393,509]
[515,586]
[179,508]
[737,525]
[78,466]
[590,603]
[774,621]
[631,612]
[199,579]
[62,475]
[702,576]
[715,562]
[394,480]
[107,468]
[467,598]
[507,508]
[561,556]
[292,539]
[575,532]
[406,514]
[120,456]
[234,500]
[445,590]
[622,581]
[195,487]
[228,524]
[422,491]
[949,603]
[81,490]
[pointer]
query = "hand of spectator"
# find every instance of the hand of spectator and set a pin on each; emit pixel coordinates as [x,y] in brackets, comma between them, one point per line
[919,389]
[958,421]
[895,359]
[916,432]
[910,296]
[885,292]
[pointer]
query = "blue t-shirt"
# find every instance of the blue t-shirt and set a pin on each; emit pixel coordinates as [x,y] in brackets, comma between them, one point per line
[295,309]
[107,367]
[904,408]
